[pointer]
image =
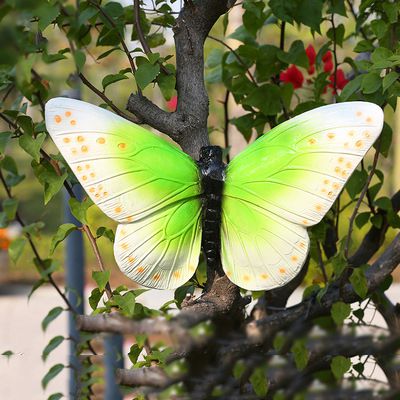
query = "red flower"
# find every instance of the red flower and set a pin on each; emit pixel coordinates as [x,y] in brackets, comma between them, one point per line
[327,56]
[311,54]
[341,80]
[292,75]
[328,66]
[171,104]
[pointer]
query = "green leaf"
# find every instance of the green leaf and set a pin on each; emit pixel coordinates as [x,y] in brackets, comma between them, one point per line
[108,233]
[101,278]
[167,85]
[62,232]
[339,366]
[258,379]
[126,303]
[53,344]
[94,298]
[296,55]
[389,79]
[244,124]
[79,209]
[51,316]
[134,353]
[146,73]
[48,177]
[4,139]
[10,207]
[53,372]
[16,248]
[379,27]
[7,353]
[351,88]
[112,78]
[47,14]
[300,354]
[391,10]
[359,282]
[362,219]
[266,98]
[371,82]
[55,396]
[239,368]
[32,146]
[155,40]
[339,312]
[80,59]
[356,182]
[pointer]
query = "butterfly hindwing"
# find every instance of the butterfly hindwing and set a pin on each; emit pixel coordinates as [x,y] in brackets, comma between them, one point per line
[161,250]
[138,179]
[293,174]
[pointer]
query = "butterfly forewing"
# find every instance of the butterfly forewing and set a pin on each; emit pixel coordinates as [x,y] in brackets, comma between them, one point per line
[139,180]
[291,175]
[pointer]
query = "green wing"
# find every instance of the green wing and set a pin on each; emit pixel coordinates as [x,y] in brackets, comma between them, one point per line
[285,181]
[137,179]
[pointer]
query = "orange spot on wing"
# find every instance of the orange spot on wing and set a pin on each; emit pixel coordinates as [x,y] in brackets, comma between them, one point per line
[367,134]
[140,269]
[58,119]
[318,207]
[66,140]
[340,159]
[305,222]
[294,258]
[131,259]
[337,170]
[358,113]
[246,278]
[73,122]
[118,209]
[331,135]
[130,218]
[101,140]
[177,274]
[369,120]
[282,270]
[92,190]
[359,143]
[350,133]
[264,276]
[67,113]
[74,152]
[87,166]
[312,141]
[157,276]
[84,177]
[92,174]
[80,139]
[79,168]
[105,194]
[124,246]
[336,186]
[84,149]
[326,182]
[121,146]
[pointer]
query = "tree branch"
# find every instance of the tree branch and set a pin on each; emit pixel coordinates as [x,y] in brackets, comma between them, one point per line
[188,125]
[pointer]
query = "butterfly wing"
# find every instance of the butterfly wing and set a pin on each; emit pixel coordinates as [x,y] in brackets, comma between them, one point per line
[137,179]
[286,181]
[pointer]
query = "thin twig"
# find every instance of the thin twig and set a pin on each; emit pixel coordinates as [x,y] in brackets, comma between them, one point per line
[226,124]
[364,191]
[356,18]
[236,55]
[321,262]
[335,64]
[139,30]
[99,93]
[121,39]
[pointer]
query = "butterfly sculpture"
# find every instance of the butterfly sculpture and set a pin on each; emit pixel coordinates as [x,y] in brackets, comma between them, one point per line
[252,214]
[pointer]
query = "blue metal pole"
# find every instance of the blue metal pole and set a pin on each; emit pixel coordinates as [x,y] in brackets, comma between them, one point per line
[113,359]
[75,281]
